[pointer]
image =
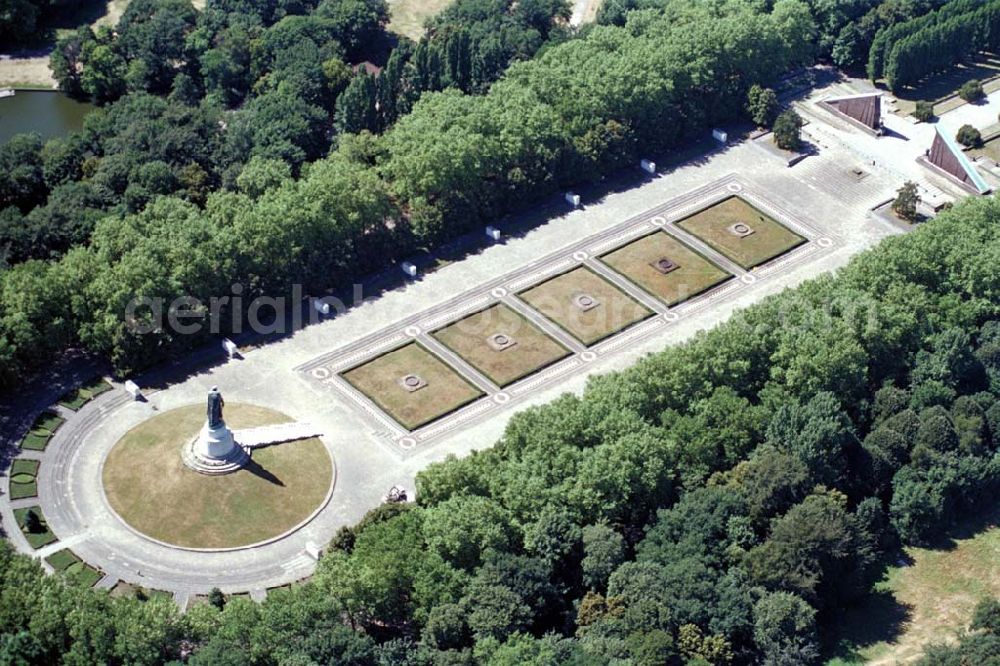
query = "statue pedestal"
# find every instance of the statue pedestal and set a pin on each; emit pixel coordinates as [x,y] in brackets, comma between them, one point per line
[214,451]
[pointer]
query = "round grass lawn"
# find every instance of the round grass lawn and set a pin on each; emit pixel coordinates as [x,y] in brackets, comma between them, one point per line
[152,490]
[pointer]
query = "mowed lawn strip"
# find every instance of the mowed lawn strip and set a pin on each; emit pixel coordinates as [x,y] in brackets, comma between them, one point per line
[149,486]
[468,336]
[445,392]
[693,275]
[23,478]
[769,240]
[35,539]
[77,398]
[615,311]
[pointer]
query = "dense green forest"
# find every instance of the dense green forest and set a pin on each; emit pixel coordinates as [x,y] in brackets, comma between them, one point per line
[95,219]
[717,503]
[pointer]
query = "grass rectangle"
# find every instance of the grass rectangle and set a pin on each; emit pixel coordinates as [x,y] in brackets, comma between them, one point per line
[21,490]
[533,350]
[62,559]
[769,239]
[77,398]
[379,379]
[84,575]
[39,539]
[48,421]
[615,311]
[989,150]
[24,466]
[34,441]
[693,275]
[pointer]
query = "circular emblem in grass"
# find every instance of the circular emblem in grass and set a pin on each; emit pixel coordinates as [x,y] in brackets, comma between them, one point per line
[151,489]
[22,478]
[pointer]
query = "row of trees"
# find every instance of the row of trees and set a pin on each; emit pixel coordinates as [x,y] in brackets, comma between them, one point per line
[892,33]
[939,46]
[717,503]
[453,163]
[854,41]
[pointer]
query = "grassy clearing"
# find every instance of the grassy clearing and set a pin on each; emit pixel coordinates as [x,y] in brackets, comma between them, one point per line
[149,486]
[928,601]
[407,17]
[694,274]
[768,240]
[615,310]
[23,478]
[77,398]
[534,350]
[379,379]
[35,539]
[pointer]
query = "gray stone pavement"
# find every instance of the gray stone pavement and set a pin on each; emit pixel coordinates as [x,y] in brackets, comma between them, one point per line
[71,495]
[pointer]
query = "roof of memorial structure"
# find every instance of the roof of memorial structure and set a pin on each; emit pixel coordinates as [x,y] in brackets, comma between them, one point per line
[948,157]
[865,109]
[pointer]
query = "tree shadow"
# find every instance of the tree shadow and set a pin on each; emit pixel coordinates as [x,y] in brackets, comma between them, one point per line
[257,470]
[879,618]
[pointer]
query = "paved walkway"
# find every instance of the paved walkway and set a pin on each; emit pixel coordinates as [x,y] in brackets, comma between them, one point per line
[70,475]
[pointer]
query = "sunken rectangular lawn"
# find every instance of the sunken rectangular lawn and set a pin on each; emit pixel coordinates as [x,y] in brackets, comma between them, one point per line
[530,351]
[690,274]
[614,310]
[768,240]
[381,380]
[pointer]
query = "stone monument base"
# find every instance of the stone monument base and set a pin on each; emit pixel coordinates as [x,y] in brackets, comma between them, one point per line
[214,451]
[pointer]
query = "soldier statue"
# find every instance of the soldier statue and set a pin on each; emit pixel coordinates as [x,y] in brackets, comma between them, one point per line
[215,405]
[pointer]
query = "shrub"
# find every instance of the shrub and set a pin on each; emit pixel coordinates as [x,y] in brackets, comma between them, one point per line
[905,204]
[969,136]
[924,111]
[762,105]
[787,131]
[971,91]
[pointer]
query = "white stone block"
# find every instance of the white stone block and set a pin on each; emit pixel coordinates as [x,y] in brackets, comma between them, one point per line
[321,306]
[648,166]
[230,347]
[493,233]
[132,389]
[409,269]
[720,136]
[573,199]
[313,551]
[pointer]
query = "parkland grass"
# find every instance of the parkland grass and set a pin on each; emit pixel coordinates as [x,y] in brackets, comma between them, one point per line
[38,539]
[380,379]
[615,310]
[151,489]
[23,478]
[77,398]
[694,273]
[532,349]
[769,239]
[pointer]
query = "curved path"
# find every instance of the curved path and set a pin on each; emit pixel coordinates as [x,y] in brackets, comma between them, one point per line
[73,502]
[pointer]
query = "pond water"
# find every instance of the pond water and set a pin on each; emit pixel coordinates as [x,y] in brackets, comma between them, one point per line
[48,112]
